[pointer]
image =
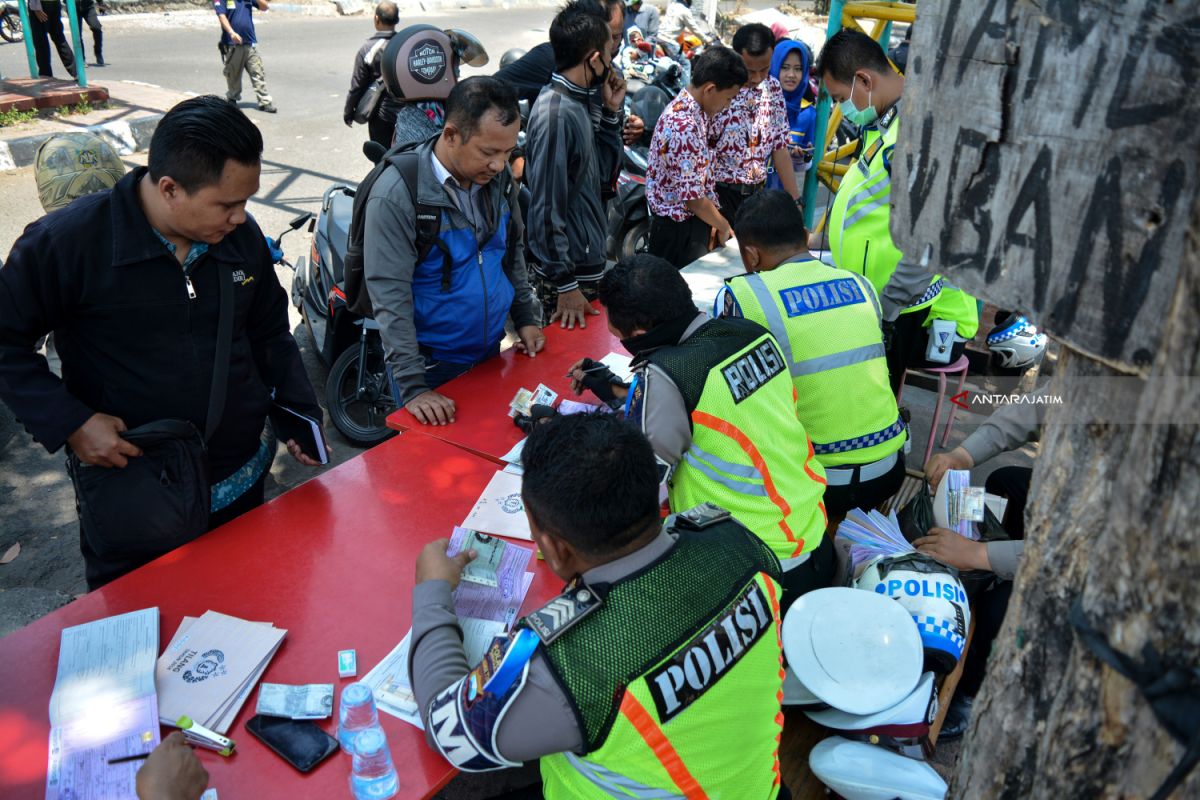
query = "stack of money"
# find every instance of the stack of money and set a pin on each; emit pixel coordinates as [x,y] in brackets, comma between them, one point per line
[526,400]
[310,701]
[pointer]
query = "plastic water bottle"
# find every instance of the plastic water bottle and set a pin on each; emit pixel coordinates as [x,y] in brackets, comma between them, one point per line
[356,714]
[373,776]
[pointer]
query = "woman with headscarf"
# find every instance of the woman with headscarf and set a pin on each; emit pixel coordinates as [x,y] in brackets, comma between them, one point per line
[790,65]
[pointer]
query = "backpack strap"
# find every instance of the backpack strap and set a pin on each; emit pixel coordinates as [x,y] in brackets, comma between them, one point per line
[428,217]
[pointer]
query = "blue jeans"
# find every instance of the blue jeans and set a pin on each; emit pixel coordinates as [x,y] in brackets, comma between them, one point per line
[439,372]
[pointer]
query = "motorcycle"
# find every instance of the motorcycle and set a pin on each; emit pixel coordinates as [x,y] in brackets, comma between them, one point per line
[357,392]
[10,23]
[628,214]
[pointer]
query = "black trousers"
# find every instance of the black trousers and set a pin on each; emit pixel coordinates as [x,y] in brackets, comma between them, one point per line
[50,31]
[731,197]
[907,348]
[864,494]
[816,573]
[681,243]
[87,13]
[381,129]
[991,604]
[100,571]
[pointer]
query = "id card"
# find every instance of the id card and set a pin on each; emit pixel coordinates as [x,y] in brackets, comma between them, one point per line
[489,551]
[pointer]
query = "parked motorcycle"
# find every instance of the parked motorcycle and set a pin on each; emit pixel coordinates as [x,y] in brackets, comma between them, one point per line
[10,23]
[357,392]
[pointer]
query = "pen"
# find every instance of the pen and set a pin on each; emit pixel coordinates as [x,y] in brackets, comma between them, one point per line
[123,759]
[597,368]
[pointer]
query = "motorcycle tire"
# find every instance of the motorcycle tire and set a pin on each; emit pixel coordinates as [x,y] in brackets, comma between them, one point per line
[362,420]
[10,28]
[636,240]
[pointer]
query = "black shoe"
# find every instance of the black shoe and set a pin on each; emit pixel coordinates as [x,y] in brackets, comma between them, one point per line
[100,61]
[268,109]
[958,718]
[233,103]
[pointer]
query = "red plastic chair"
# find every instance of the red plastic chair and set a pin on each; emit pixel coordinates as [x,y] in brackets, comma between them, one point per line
[959,367]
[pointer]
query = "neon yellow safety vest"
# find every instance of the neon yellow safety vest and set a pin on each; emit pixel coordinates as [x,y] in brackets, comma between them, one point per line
[827,322]
[859,238]
[749,453]
[660,719]
[955,304]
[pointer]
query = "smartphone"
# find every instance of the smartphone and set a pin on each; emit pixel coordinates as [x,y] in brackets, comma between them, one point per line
[299,742]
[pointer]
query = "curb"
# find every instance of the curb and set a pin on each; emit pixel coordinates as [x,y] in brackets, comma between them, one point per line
[125,136]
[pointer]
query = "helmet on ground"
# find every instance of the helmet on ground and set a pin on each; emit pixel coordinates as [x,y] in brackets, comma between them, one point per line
[511,56]
[932,593]
[420,63]
[70,165]
[1015,341]
[858,771]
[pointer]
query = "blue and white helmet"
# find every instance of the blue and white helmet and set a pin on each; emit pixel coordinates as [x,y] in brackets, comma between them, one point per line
[932,593]
[1015,341]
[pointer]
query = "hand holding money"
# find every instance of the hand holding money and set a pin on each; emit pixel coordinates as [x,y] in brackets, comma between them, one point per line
[489,551]
[311,701]
[434,565]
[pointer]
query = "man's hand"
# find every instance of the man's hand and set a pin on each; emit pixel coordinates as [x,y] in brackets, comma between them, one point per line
[434,565]
[635,126]
[614,92]
[172,772]
[597,378]
[298,454]
[41,15]
[958,458]
[235,38]
[573,308]
[98,442]
[431,408]
[951,548]
[721,233]
[530,340]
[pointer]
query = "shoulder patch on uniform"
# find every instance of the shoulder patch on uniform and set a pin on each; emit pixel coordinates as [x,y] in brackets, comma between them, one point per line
[750,372]
[563,612]
[710,655]
[635,399]
[465,716]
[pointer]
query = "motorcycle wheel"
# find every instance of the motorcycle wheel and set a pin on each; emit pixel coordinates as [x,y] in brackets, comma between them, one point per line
[636,240]
[362,420]
[10,28]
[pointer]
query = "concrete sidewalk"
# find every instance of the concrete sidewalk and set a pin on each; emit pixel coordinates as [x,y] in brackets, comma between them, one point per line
[127,122]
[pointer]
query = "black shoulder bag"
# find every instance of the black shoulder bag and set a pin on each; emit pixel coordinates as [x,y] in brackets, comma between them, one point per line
[159,500]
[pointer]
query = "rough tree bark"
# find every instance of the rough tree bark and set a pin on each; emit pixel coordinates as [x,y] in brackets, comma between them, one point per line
[1048,162]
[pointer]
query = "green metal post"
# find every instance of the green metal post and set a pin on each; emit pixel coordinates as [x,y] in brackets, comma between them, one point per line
[77,38]
[23,8]
[823,106]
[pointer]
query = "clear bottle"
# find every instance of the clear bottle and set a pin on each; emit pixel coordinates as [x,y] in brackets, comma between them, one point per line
[372,776]
[356,713]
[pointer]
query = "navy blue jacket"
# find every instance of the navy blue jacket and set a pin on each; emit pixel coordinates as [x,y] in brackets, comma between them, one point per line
[132,343]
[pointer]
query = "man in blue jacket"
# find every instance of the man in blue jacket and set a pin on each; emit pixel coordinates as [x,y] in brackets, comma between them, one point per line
[443,313]
[128,281]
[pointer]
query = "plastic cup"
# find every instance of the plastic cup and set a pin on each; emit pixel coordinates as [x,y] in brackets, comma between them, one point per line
[356,713]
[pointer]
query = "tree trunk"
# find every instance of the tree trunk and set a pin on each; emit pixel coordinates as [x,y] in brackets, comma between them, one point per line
[1047,162]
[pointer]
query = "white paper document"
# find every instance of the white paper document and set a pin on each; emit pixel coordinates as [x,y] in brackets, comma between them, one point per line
[210,668]
[103,706]
[499,509]
[619,364]
[389,682]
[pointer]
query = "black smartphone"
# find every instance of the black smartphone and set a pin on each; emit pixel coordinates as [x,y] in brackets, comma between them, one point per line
[299,742]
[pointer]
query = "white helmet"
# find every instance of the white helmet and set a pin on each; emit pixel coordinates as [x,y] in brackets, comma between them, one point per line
[1015,341]
[932,593]
[859,771]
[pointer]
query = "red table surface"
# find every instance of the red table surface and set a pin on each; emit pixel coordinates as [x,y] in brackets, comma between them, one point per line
[332,561]
[481,396]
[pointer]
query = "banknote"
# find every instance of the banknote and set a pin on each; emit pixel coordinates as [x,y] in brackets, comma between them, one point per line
[310,701]
[520,403]
[488,553]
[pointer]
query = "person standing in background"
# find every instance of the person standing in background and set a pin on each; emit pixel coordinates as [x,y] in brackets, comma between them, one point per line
[367,70]
[45,20]
[239,49]
[790,65]
[89,11]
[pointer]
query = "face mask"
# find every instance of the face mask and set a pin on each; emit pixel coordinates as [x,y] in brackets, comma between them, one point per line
[599,79]
[853,114]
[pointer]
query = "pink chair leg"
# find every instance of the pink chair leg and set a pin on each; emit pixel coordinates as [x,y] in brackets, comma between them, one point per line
[937,416]
[962,379]
[900,394]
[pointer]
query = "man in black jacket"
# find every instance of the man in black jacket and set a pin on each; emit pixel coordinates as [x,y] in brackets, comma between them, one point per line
[368,69]
[128,281]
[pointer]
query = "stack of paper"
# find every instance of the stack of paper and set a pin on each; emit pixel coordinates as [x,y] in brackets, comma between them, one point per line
[957,505]
[872,535]
[499,510]
[211,666]
[484,612]
[103,706]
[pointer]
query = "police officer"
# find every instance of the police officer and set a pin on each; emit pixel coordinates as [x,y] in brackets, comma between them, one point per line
[827,323]
[858,75]
[717,403]
[616,695]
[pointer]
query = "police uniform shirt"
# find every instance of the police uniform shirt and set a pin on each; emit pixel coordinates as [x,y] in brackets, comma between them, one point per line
[538,721]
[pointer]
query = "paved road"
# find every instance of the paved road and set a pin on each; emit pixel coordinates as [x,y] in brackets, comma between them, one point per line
[308,147]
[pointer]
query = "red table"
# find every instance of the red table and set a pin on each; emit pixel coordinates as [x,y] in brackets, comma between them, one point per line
[331,561]
[481,396]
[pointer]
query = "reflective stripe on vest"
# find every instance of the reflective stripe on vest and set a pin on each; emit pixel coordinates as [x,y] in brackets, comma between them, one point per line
[859,442]
[713,466]
[614,784]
